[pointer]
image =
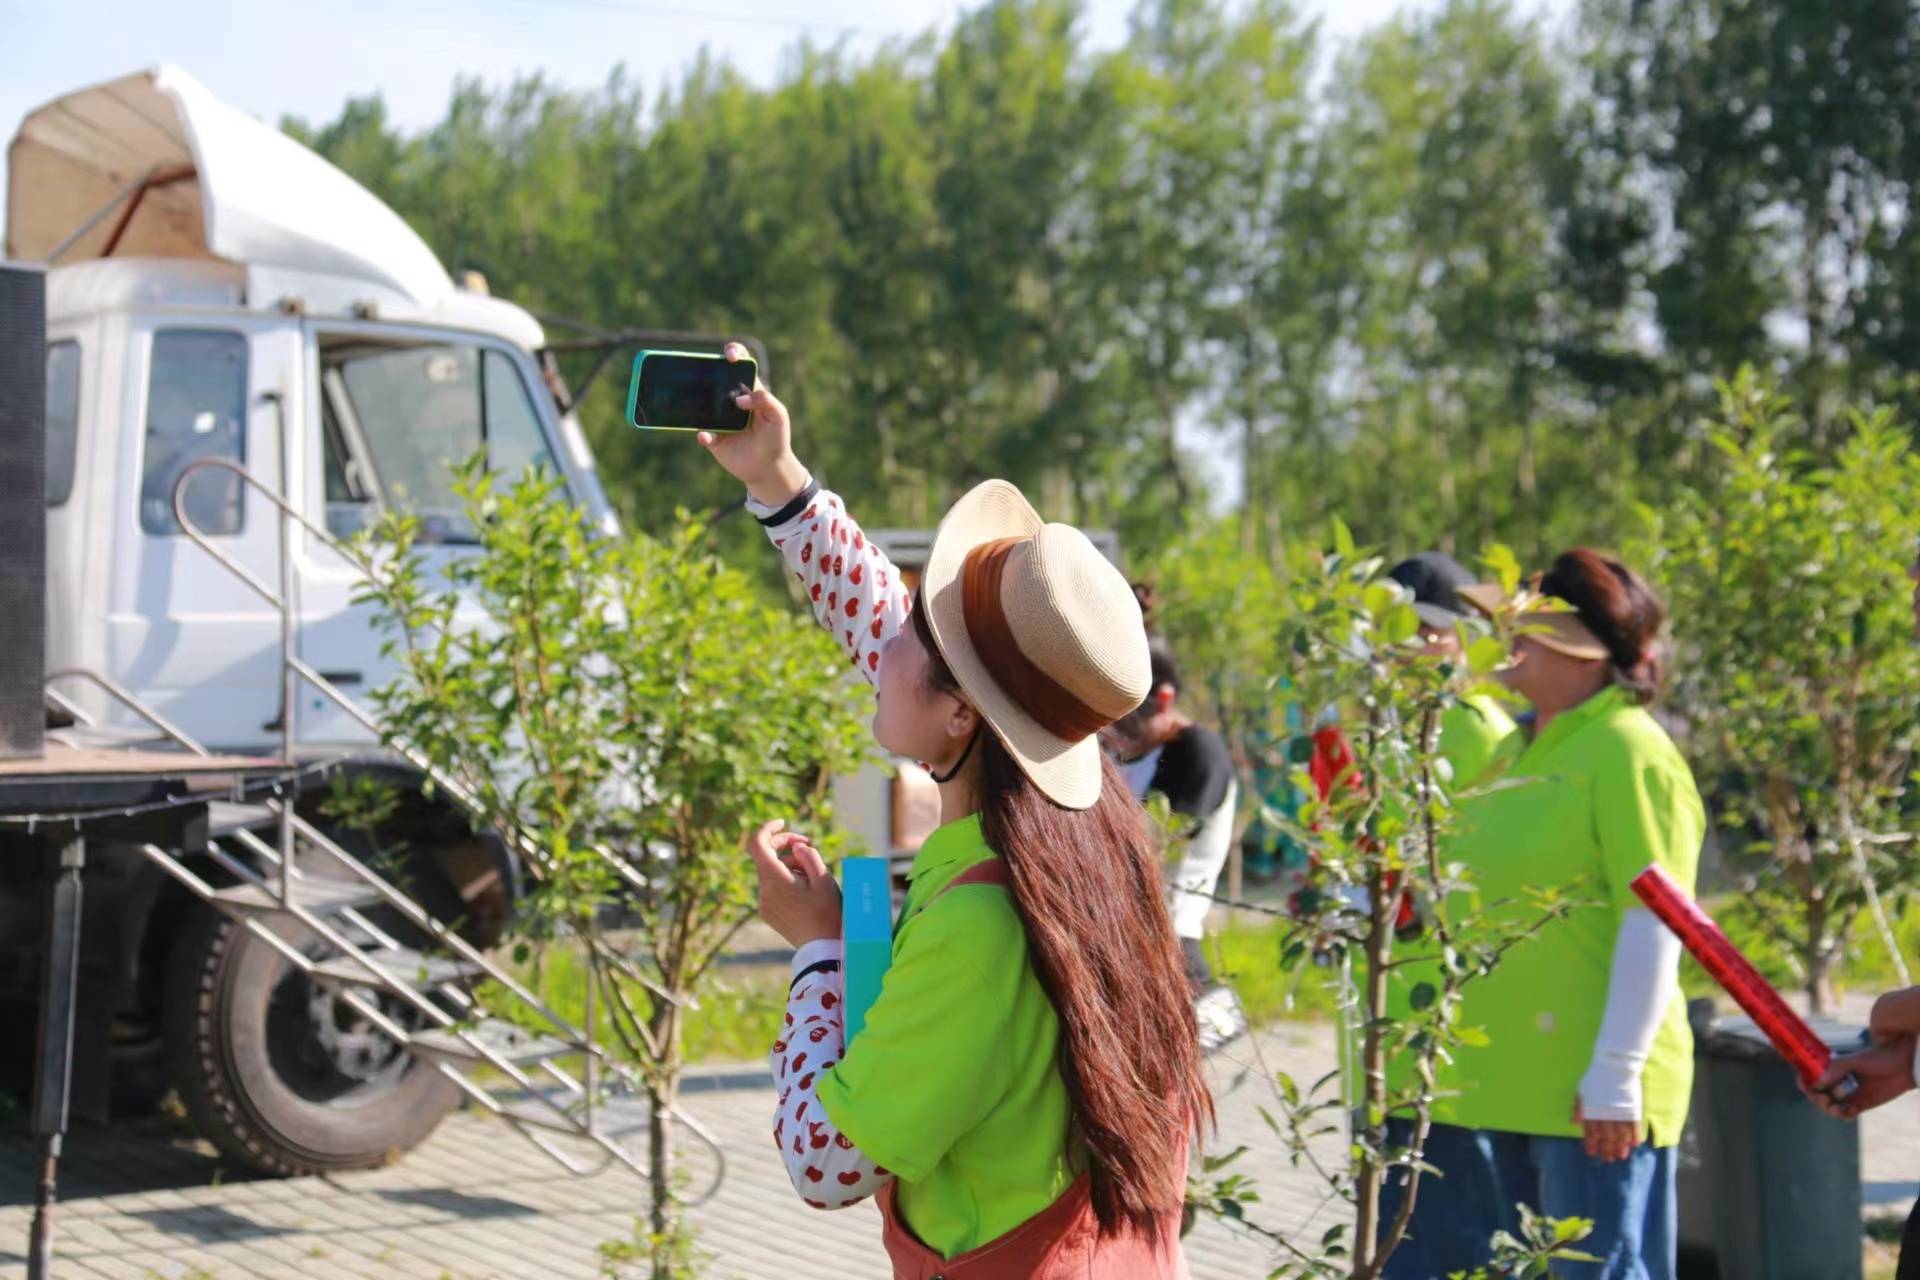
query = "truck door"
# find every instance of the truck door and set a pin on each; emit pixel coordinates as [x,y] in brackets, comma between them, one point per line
[184,633]
[396,407]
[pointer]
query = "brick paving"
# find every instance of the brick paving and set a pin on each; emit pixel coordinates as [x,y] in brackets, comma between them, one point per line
[145,1200]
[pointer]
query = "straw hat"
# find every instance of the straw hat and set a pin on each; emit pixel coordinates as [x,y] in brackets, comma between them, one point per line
[1057,623]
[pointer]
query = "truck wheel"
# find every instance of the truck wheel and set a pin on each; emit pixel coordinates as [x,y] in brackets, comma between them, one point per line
[276,1071]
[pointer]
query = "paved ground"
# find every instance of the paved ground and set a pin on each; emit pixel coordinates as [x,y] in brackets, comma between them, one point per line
[477,1201]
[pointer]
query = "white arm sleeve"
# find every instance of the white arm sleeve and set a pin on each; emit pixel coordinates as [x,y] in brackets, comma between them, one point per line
[1191,884]
[826,1168]
[1646,967]
[855,590]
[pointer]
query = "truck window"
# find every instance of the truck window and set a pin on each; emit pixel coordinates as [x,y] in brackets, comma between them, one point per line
[515,442]
[419,410]
[63,418]
[196,408]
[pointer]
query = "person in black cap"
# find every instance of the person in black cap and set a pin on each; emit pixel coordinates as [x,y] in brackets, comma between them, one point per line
[1473,728]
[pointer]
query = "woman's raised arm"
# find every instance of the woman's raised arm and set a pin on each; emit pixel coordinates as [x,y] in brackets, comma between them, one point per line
[854,588]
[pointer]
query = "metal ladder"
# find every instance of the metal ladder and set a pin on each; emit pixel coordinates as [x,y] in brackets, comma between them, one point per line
[269,889]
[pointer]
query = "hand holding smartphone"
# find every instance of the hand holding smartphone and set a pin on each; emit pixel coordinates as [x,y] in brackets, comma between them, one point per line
[755,446]
[690,391]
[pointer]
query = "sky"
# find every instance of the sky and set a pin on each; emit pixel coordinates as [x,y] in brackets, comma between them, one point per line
[272,58]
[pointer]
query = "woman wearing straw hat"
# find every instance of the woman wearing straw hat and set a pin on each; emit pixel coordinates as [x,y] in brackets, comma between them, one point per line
[1023,1091]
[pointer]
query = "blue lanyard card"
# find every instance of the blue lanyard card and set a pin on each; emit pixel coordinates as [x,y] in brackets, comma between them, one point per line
[866,928]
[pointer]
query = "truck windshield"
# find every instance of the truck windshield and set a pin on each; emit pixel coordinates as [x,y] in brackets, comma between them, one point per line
[398,418]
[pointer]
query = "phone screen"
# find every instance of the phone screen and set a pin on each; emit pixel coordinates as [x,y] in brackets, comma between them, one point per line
[685,391]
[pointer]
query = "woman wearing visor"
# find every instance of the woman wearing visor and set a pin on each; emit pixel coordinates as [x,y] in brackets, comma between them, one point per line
[1575,1103]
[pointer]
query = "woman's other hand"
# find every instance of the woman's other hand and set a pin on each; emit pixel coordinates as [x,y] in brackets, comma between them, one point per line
[798,895]
[1883,1072]
[1609,1140]
[761,457]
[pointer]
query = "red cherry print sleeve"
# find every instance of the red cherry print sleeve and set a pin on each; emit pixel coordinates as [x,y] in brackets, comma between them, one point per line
[855,590]
[827,1170]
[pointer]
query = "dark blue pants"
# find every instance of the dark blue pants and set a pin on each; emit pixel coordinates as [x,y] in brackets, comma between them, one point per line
[1488,1173]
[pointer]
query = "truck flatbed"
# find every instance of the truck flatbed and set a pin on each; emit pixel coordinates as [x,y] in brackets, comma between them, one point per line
[71,792]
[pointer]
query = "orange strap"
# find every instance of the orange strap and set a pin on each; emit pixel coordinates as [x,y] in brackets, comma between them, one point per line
[992,871]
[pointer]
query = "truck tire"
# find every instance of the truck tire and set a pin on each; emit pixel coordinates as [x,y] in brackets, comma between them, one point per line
[278,1075]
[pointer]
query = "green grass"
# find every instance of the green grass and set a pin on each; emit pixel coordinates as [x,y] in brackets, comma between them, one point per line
[1246,954]
[738,1014]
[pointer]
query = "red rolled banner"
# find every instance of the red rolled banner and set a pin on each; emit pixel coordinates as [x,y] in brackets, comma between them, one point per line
[1704,939]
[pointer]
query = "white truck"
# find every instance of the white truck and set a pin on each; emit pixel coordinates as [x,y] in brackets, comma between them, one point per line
[244,345]
[215,291]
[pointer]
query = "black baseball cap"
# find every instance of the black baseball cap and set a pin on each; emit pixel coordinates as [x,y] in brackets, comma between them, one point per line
[1436,580]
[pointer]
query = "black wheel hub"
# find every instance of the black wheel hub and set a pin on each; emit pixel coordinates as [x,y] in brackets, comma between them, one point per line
[326,1050]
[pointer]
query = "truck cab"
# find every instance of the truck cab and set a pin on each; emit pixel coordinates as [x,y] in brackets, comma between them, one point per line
[222,299]
[244,300]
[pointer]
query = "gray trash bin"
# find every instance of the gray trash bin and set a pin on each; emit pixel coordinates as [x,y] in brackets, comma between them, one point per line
[1769,1187]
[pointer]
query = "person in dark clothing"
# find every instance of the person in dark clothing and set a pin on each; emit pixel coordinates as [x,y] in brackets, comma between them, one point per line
[1160,748]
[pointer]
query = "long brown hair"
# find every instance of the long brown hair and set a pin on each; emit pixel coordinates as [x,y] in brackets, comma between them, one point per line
[1622,612]
[1088,888]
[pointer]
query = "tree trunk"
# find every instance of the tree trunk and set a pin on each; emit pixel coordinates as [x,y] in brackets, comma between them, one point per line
[663,1088]
[1371,1175]
[660,1171]
[1816,958]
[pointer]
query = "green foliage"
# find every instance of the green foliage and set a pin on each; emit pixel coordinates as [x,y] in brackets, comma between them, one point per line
[1221,606]
[1796,666]
[674,1254]
[998,253]
[622,711]
[1532,1255]
[366,805]
[1355,649]
[1452,280]
[1775,134]
[1247,956]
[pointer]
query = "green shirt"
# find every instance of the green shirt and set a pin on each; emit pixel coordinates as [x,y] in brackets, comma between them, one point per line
[1597,796]
[1471,733]
[953,1083]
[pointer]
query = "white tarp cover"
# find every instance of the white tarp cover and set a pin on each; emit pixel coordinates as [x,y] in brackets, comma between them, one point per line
[256,197]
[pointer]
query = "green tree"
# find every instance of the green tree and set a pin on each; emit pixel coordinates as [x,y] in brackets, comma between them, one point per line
[1796,664]
[1378,835]
[624,711]
[1769,144]
[1446,134]
[1223,611]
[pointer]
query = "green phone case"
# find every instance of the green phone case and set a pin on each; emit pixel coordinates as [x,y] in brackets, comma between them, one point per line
[633,386]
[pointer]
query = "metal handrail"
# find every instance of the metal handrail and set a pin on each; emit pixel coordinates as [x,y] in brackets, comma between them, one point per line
[582,1041]
[392,1030]
[295,666]
[127,698]
[294,669]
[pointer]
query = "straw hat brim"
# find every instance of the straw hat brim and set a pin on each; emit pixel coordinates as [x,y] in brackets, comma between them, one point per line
[1066,771]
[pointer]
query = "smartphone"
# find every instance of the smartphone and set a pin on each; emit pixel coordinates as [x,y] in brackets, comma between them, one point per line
[689,391]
